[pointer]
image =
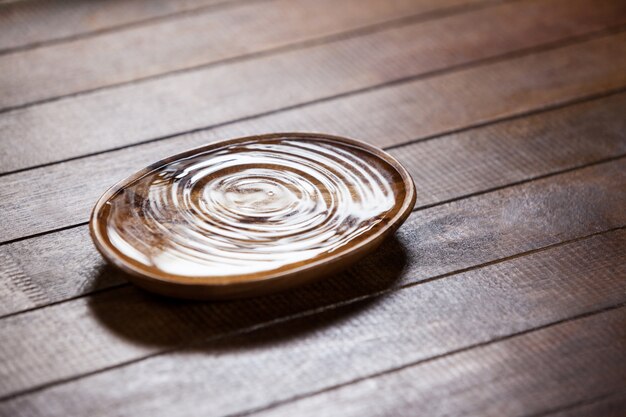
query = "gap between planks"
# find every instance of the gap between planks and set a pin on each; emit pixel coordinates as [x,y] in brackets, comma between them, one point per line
[368,29]
[504,337]
[207,8]
[534,112]
[416,209]
[513,256]
[433,358]
[551,121]
[515,116]
[524,52]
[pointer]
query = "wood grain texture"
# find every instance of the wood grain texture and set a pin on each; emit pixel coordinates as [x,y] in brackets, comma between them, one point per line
[29,23]
[167,106]
[97,332]
[535,372]
[608,405]
[229,375]
[62,195]
[17,290]
[504,293]
[202,38]
[445,168]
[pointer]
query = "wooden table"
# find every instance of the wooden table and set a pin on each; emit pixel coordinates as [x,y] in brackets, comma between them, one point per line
[504,294]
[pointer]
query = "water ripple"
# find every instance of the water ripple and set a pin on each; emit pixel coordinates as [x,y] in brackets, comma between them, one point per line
[251,206]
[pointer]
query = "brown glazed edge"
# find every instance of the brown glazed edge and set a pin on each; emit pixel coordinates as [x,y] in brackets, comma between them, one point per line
[199,288]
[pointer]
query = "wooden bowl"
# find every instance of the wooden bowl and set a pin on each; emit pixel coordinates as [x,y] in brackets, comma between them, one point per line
[252,215]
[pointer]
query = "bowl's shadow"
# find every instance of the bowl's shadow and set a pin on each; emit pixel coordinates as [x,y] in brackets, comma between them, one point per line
[147,319]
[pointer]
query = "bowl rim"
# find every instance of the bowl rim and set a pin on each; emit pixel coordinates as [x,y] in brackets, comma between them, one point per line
[216,281]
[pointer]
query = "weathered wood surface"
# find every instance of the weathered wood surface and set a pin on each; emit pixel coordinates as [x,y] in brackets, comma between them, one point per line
[581,359]
[486,228]
[101,61]
[248,28]
[402,327]
[25,24]
[504,294]
[446,168]
[37,190]
[608,405]
[125,115]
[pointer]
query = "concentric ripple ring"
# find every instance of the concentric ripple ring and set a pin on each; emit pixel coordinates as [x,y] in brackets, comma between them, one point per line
[249,215]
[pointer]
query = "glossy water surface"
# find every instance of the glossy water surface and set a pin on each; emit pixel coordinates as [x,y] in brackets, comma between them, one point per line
[250,207]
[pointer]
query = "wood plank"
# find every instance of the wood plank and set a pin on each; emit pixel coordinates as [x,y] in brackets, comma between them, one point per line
[29,23]
[97,332]
[526,375]
[125,115]
[230,375]
[579,135]
[447,168]
[199,39]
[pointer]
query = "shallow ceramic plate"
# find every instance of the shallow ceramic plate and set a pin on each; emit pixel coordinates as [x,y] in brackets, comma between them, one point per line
[251,215]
